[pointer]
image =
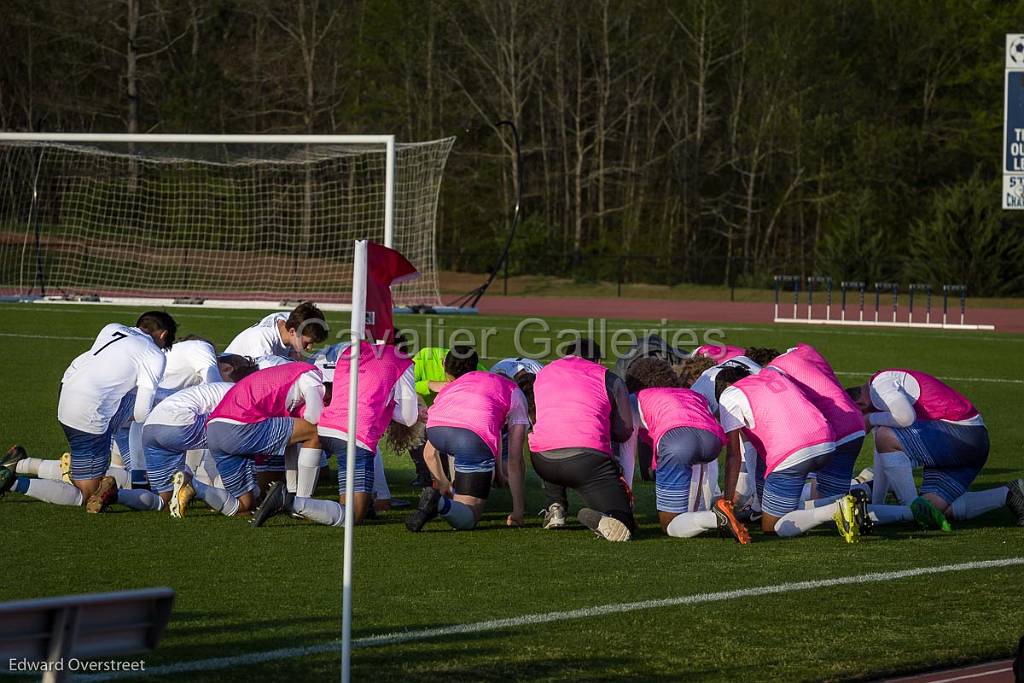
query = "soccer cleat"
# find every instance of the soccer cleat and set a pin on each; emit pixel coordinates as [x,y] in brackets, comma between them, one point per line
[603,525]
[181,495]
[1015,499]
[7,479]
[861,500]
[554,516]
[846,518]
[274,503]
[929,516]
[65,468]
[12,457]
[105,494]
[425,511]
[728,523]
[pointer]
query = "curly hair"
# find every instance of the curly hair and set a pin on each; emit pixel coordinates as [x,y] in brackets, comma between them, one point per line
[399,438]
[692,368]
[648,373]
[761,355]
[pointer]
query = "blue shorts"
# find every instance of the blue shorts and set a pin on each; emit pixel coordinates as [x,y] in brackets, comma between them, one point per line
[470,452]
[90,453]
[165,447]
[364,464]
[679,450]
[273,462]
[952,455]
[835,477]
[780,491]
[235,446]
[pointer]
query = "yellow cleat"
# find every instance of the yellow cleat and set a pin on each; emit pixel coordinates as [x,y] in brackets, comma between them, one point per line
[65,468]
[181,496]
[846,519]
[105,495]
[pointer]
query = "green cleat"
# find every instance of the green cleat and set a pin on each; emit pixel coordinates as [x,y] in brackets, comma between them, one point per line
[7,479]
[929,516]
[846,518]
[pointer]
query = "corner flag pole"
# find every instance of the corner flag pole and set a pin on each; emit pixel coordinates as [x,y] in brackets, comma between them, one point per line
[358,324]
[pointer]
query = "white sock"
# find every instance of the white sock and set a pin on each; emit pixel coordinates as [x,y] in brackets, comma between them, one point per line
[194,459]
[308,465]
[140,499]
[974,503]
[291,469]
[689,524]
[219,499]
[799,521]
[30,466]
[744,489]
[880,486]
[889,514]
[806,495]
[457,514]
[380,481]
[207,472]
[48,469]
[628,466]
[56,492]
[818,502]
[137,453]
[900,473]
[122,476]
[328,512]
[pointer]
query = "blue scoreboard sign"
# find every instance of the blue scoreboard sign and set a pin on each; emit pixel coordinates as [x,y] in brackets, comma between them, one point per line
[1013,123]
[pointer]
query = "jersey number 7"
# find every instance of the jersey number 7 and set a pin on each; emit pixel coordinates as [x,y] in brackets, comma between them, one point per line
[118,336]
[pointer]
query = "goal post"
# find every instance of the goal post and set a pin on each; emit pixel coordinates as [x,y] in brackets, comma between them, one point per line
[218,220]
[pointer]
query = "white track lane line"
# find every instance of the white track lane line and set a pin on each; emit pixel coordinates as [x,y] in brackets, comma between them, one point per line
[549,617]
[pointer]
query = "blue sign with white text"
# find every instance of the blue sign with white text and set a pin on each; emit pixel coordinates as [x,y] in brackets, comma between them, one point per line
[1014,153]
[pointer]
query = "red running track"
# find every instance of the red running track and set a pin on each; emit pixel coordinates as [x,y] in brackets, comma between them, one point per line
[992,672]
[1005,319]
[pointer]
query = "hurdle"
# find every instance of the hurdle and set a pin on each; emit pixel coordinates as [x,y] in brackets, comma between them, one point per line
[877,318]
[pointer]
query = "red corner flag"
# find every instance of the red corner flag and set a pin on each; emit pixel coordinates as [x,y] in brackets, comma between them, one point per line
[384,267]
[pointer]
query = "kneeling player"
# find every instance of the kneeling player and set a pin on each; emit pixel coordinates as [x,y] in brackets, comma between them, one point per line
[582,408]
[792,438]
[466,422]
[685,434]
[387,391]
[103,389]
[920,421]
[261,414]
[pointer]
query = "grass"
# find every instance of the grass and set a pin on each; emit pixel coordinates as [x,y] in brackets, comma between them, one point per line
[241,590]
[455,283]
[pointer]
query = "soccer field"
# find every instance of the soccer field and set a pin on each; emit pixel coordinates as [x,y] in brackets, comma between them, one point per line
[269,600]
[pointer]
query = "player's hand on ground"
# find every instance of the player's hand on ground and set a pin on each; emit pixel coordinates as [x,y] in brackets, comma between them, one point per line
[514,520]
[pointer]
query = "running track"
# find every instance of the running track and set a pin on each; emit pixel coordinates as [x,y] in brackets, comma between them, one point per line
[993,672]
[1005,319]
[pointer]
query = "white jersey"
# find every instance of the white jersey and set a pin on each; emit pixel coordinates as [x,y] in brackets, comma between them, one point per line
[705,384]
[510,367]
[184,407]
[272,361]
[189,363]
[121,360]
[893,394]
[262,339]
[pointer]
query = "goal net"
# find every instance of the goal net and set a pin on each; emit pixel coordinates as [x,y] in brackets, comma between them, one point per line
[245,219]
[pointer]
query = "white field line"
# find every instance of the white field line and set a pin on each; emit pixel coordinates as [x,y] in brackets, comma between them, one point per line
[549,617]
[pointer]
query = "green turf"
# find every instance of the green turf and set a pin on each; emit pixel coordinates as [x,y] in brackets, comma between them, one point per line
[241,590]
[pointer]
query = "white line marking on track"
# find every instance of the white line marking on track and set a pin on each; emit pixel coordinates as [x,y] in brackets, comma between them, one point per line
[964,677]
[549,617]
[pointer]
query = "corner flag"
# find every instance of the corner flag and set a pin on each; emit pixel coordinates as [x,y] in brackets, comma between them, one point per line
[384,267]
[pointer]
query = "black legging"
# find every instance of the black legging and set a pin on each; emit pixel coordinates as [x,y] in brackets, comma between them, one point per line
[595,477]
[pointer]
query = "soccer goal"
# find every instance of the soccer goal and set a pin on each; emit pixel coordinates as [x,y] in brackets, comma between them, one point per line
[214,220]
